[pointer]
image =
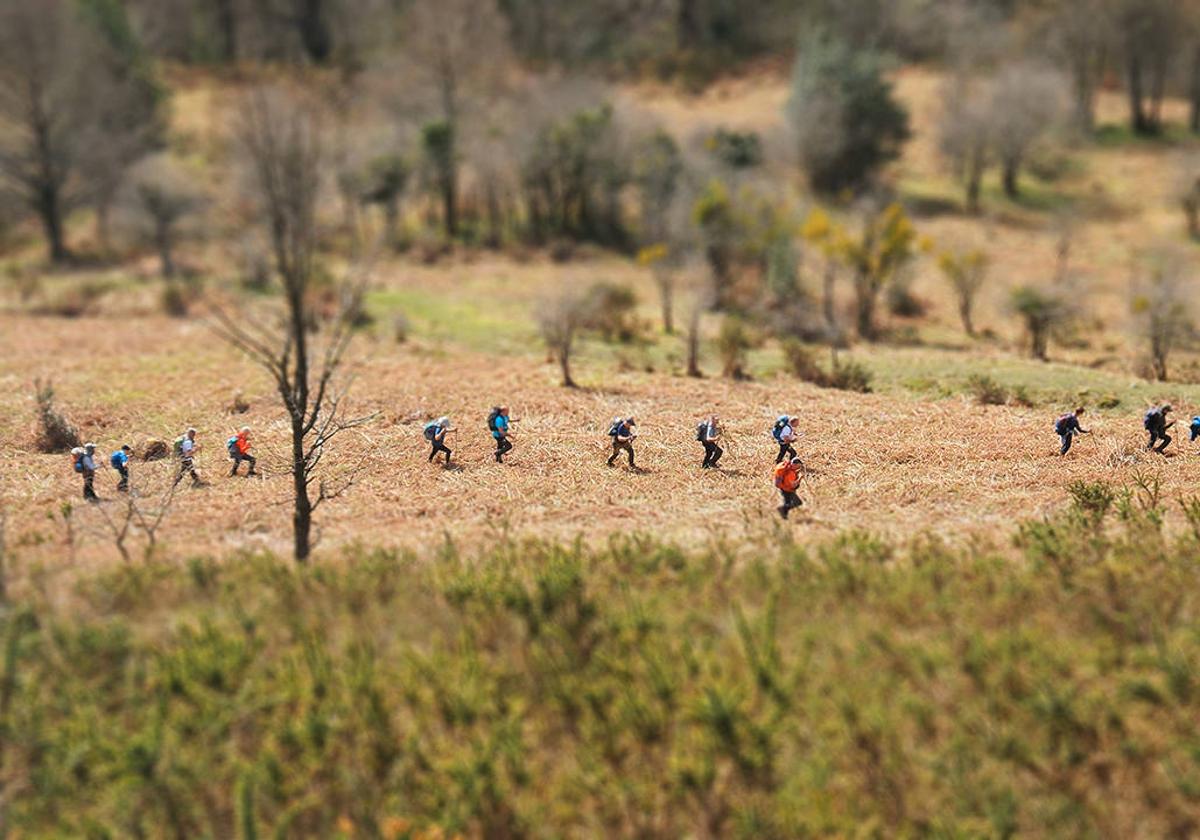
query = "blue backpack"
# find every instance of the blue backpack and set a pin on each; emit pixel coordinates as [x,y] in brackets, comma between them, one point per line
[115,460]
[1060,425]
[615,429]
[780,425]
[431,430]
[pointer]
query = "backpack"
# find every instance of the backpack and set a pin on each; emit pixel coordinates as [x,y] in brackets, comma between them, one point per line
[77,459]
[430,431]
[1150,421]
[177,447]
[615,429]
[232,447]
[492,418]
[777,430]
[1060,425]
[114,460]
[702,432]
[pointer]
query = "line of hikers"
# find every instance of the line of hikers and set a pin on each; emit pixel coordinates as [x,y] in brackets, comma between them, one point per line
[83,460]
[1154,421]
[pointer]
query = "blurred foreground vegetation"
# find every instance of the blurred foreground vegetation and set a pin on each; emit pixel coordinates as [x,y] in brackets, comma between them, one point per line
[1048,688]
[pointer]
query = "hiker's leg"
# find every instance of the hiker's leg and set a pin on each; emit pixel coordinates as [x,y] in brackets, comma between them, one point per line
[433,452]
[1066,444]
[616,450]
[237,462]
[782,451]
[253,462]
[123,484]
[717,453]
[629,450]
[785,507]
[1153,437]
[1166,439]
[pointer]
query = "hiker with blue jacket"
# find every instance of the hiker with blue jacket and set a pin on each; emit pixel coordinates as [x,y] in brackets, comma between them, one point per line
[707,433]
[622,432]
[435,432]
[784,434]
[1195,428]
[1155,422]
[119,461]
[1067,427]
[498,425]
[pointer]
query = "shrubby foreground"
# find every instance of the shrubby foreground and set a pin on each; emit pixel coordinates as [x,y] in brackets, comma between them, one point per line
[540,690]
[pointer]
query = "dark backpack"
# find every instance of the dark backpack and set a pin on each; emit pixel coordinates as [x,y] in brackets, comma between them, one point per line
[615,429]
[702,432]
[1061,424]
[430,431]
[1152,419]
[492,418]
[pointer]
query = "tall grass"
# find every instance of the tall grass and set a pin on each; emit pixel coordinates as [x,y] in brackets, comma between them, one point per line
[535,690]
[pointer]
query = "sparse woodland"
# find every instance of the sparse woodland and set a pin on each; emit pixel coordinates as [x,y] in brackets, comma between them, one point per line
[925,227]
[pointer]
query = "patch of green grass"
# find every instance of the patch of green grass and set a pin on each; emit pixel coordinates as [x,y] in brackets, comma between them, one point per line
[485,323]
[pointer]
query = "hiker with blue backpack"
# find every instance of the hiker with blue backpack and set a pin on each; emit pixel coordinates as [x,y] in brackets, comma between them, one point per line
[1194,428]
[435,432]
[83,461]
[238,447]
[1067,426]
[119,461]
[498,425]
[1155,422]
[707,433]
[784,434]
[622,431]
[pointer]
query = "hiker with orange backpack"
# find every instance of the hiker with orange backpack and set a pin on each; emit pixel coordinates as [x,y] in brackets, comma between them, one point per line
[1066,427]
[83,461]
[787,481]
[239,450]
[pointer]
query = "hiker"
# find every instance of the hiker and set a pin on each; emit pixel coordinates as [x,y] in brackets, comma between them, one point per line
[1195,428]
[498,424]
[119,461]
[435,433]
[83,461]
[784,434]
[707,433]
[1155,422]
[1067,426]
[622,433]
[185,450]
[239,450]
[787,480]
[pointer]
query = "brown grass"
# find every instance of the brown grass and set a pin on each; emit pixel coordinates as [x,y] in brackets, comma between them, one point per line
[894,465]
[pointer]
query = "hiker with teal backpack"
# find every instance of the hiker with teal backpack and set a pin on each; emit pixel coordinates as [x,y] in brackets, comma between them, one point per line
[435,432]
[707,433]
[1066,427]
[185,450]
[83,461]
[119,461]
[623,433]
[784,434]
[498,425]
[1194,428]
[238,447]
[1155,422]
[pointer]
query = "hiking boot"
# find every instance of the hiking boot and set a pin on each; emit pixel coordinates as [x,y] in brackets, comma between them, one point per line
[783,511]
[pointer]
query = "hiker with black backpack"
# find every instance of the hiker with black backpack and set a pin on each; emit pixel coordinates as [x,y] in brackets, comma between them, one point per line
[784,434]
[498,425]
[1155,422]
[623,433]
[1067,426]
[83,461]
[185,450]
[119,461]
[435,432]
[707,433]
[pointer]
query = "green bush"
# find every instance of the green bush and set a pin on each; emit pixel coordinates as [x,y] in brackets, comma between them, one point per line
[987,391]
[540,690]
[850,376]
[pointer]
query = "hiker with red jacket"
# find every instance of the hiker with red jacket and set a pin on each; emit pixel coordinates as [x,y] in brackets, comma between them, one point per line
[1067,426]
[787,481]
[239,450]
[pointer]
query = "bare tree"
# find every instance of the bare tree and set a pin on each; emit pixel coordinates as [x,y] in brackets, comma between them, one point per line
[1161,307]
[135,514]
[1150,36]
[160,198]
[966,135]
[1080,35]
[1025,104]
[1044,310]
[51,85]
[285,152]
[560,319]
[455,50]
[966,272]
